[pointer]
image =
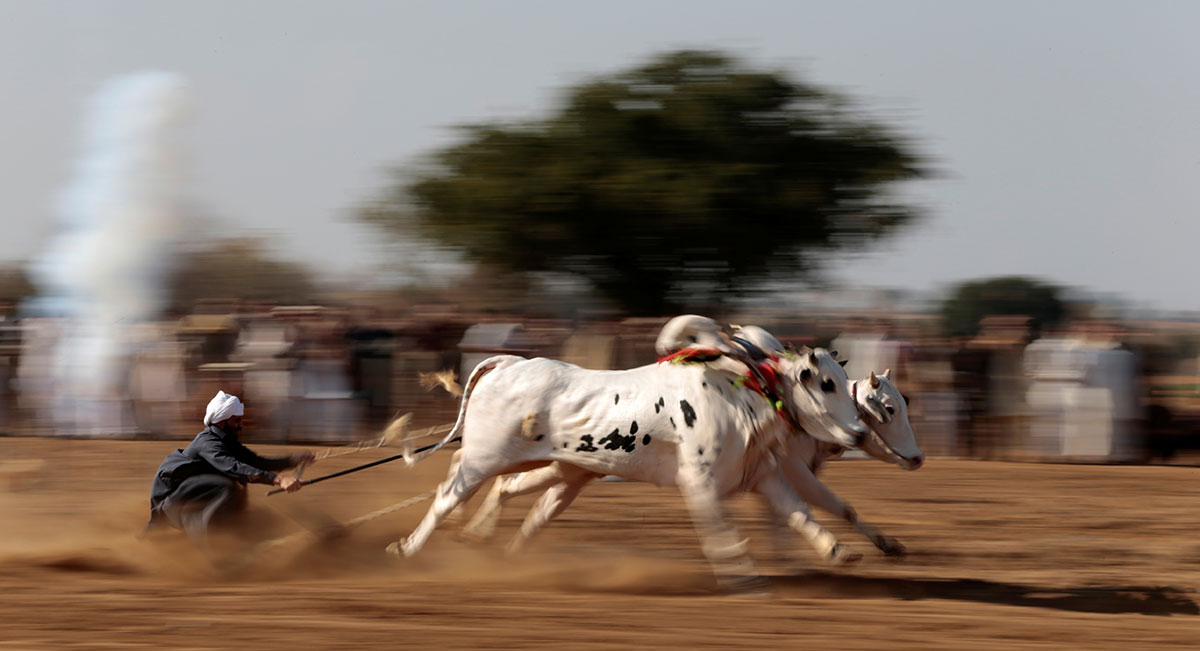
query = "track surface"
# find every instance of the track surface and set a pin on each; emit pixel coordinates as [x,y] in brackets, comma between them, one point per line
[1002,556]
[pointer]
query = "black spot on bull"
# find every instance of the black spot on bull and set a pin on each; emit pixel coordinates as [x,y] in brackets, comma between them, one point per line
[673,423]
[659,405]
[616,398]
[646,440]
[614,441]
[585,444]
[689,414]
[633,428]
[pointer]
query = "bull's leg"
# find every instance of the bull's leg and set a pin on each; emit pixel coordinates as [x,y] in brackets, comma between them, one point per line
[782,538]
[787,506]
[551,504]
[816,493]
[455,514]
[726,553]
[483,525]
[458,487]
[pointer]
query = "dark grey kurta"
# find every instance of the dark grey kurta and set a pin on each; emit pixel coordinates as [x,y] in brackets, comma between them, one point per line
[212,452]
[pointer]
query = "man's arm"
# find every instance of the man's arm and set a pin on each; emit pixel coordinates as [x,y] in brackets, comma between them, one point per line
[247,456]
[228,461]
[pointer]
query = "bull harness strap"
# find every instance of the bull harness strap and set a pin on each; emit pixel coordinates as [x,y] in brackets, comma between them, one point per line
[762,377]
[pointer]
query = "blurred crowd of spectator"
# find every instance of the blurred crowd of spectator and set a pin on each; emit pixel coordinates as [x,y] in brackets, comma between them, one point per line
[1092,389]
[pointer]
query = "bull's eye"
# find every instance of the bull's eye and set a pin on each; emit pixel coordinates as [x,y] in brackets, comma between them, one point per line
[889,408]
[828,386]
[805,375]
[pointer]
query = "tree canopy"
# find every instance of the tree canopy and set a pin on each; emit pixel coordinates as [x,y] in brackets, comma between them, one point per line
[682,180]
[236,268]
[15,284]
[1006,295]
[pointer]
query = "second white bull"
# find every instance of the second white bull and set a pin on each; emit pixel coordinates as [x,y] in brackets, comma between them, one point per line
[686,425]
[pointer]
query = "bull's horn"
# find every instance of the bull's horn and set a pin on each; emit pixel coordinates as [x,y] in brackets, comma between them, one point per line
[812,358]
[874,381]
[888,374]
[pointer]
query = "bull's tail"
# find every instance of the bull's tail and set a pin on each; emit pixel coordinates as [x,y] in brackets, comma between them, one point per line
[446,380]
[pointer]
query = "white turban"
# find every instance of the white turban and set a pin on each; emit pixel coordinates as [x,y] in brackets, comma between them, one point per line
[222,406]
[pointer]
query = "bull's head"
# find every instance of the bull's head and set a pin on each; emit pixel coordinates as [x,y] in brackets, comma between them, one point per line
[818,398]
[885,410]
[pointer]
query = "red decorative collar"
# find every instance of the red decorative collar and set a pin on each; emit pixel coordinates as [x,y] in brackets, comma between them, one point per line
[691,355]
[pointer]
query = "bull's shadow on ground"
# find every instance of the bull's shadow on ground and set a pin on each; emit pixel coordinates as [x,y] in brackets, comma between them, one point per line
[1145,600]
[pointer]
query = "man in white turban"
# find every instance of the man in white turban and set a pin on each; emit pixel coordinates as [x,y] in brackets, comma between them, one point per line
[204,484]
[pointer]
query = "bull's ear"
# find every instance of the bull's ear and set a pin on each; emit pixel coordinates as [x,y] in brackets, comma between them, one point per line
[805,375]
[843,363]
[833,354]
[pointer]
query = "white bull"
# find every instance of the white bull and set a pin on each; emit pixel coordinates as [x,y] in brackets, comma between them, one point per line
[689,425]
[881,406]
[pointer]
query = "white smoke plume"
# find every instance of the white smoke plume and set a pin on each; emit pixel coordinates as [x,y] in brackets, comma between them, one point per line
[119,215]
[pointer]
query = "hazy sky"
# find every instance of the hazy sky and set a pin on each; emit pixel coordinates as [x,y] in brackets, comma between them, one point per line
[1068,132]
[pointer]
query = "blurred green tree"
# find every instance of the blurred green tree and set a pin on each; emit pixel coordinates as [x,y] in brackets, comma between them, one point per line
[1006,295]
[15,284]
[238,269]
[675,183]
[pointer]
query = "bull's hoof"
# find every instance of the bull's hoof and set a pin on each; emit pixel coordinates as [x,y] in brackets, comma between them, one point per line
[843,555]
[475,535]
[396,549]
[469,537]
[890,546]
[514,547]
[753,586]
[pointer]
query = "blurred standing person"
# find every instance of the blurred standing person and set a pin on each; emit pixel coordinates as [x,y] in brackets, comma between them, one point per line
[876,348]
[10,354]
[968,364]
[204,485]
[1055,371]
[1004,339]
[1114,370]
[868,347]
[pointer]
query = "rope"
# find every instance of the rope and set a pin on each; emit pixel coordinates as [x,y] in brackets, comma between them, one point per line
[350,524]
[379,442]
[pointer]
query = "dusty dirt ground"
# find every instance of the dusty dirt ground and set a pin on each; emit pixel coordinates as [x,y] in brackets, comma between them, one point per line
[1001,556]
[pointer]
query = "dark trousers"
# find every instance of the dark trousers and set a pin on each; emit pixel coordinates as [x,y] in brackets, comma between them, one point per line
[204,502]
